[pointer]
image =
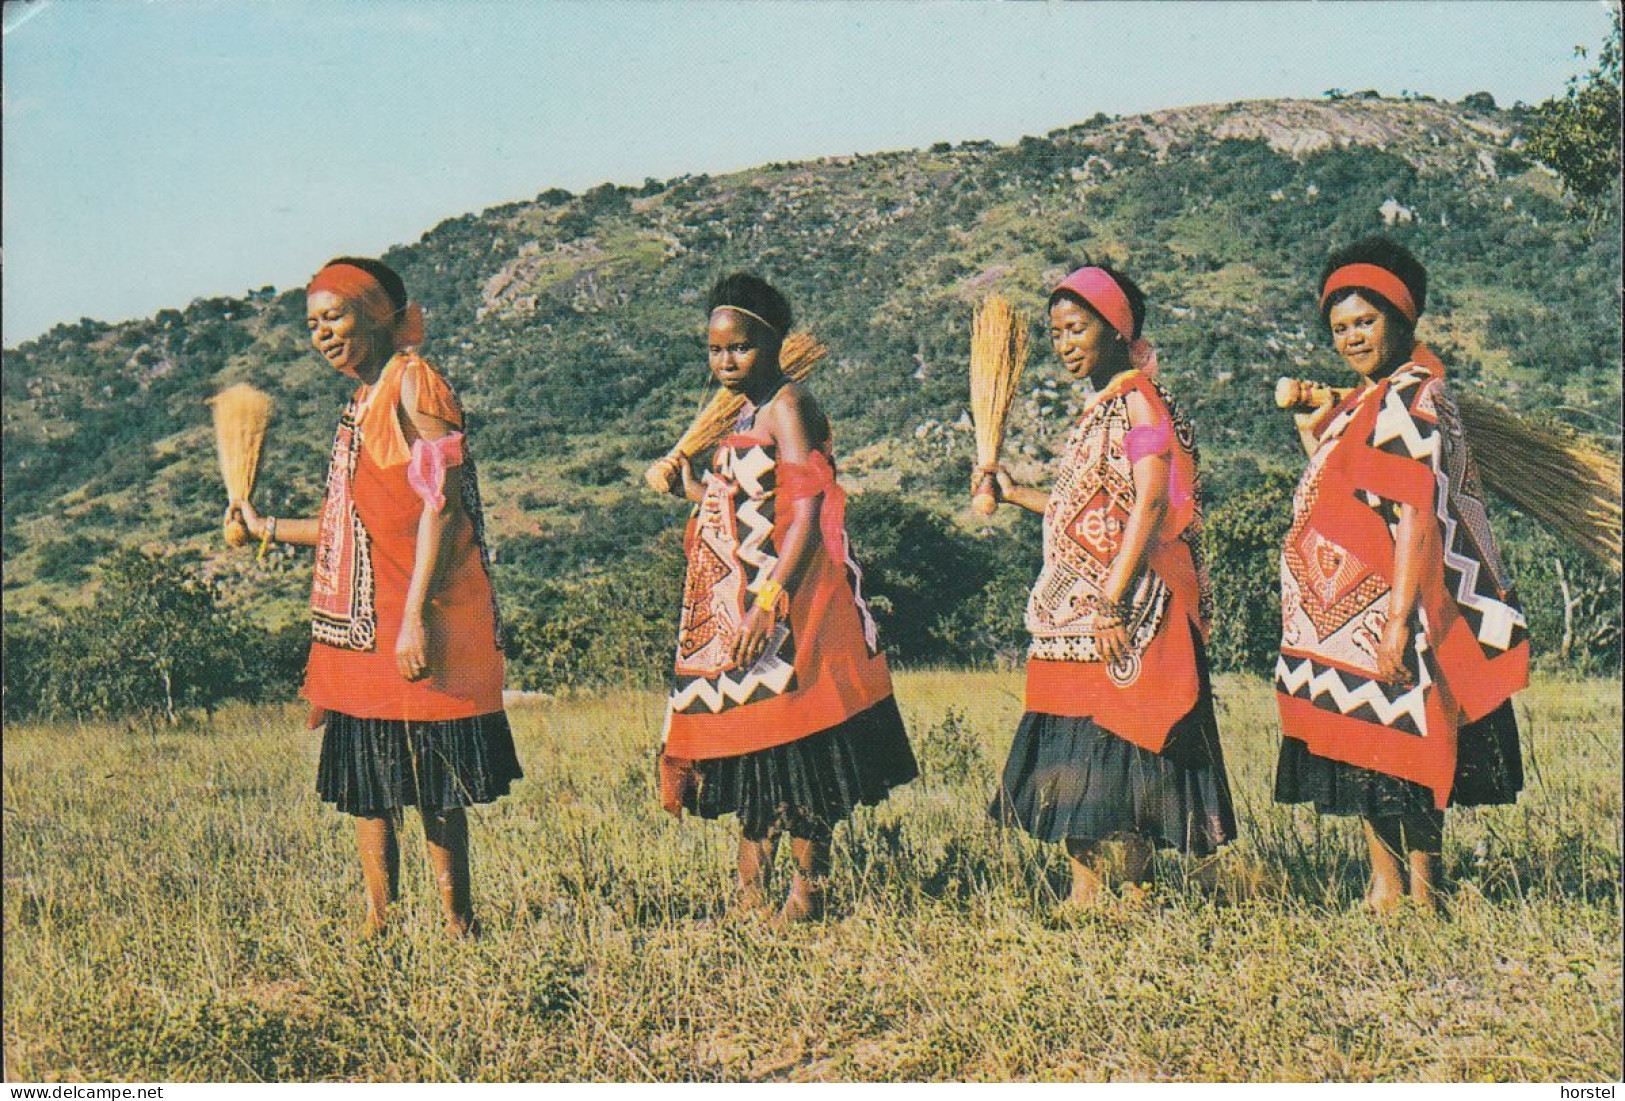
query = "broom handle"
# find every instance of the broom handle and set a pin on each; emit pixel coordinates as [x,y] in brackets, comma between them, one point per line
[1302,393]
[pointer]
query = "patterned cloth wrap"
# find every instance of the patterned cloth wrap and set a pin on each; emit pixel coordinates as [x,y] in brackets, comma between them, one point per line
[1141,697]
[823,663]
[1397,443]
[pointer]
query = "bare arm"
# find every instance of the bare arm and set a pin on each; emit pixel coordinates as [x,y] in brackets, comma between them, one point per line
[687,485]
[301,532]
[411,645]
[1027,497]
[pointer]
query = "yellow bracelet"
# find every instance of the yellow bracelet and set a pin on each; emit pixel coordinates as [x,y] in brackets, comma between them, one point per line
[767,597]
[265,538]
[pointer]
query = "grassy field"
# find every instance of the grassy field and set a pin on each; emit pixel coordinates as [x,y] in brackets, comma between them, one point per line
[179,905]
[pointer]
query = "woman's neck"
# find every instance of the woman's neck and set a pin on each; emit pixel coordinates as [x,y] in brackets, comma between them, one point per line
[761,387]
[1109,372]
[370,373]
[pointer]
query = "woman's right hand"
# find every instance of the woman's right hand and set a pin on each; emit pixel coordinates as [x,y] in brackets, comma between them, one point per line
[1004,486]
[251,519]
[692,488]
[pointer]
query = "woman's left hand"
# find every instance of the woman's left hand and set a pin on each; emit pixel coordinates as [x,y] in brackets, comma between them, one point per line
[1112,642]
[412,649]
[1391,648]
[752,640]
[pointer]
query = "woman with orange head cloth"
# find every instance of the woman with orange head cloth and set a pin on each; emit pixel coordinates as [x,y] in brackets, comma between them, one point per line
[405,667]
[781,710]
[1119,742]
[1402,642]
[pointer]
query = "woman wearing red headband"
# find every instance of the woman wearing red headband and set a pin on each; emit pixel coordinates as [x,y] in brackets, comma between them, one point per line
[1119,741]
[1402,642]
[781,709]
[405,667]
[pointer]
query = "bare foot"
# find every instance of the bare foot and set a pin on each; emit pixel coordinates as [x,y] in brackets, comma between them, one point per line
[1383,899]
[805,903]
[1138,896]
[464,927]
[1087,893]
[750,901]
[1428,900]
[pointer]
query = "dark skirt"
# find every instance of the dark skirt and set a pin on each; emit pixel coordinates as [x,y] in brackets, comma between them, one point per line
[1072,778]
[1489,771]
[375,766]
[807,786]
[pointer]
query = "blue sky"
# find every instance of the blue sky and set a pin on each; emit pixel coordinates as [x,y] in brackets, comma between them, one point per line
[158,150]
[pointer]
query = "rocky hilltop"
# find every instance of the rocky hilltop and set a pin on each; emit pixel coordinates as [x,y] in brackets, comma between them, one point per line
[570,323]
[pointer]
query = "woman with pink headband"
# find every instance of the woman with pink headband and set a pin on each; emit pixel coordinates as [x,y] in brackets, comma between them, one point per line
[405,670]
[1402,641]
[1119,742]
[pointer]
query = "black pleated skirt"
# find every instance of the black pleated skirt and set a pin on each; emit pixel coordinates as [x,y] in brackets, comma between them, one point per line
[806,787]
[375,766]
[1072,778]
[1489,771]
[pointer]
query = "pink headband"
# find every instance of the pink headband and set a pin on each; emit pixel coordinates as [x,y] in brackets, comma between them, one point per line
[1102,293]
[1371,277]
[1096,287]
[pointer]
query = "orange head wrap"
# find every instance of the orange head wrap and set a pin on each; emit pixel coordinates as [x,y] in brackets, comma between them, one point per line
[353,284]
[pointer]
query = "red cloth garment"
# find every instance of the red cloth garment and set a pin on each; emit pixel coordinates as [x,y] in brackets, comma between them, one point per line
[365,552]
[1386,446]
[825,665]
[1141,699]
[1371,277]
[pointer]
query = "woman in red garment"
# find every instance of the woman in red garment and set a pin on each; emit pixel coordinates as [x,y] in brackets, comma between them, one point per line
[1119,743]
[405,668]
[1402,641]
[781,710]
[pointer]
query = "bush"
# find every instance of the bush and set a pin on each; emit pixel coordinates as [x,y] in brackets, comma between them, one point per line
[1244,537]
[152,643]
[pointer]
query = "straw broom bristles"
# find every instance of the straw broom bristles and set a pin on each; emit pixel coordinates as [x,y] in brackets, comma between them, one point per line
[240,416]
[799,353]
[998,352]
[1547,470]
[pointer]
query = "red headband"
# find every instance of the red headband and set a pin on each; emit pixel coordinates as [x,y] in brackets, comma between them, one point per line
[1107,298]
[1104,296]
[360,286]
[1371,277]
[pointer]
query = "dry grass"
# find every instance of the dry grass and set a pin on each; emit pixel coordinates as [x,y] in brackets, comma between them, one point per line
[180,906]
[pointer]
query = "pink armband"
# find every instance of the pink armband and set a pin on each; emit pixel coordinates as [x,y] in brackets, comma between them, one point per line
[1148,439]
[426,473]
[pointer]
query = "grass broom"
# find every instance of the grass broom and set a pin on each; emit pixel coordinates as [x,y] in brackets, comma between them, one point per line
[998,352]
[797,357]
[1561,478]
[240,416]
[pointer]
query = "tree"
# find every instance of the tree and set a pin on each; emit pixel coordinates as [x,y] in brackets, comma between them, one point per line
[153,643]
[1577,135]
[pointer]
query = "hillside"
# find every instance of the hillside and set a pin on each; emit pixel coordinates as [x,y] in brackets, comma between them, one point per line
[571,325]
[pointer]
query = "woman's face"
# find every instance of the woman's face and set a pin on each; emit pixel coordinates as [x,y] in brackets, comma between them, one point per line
[1081,339]
[343,335]
[1364,336]
[737,353]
